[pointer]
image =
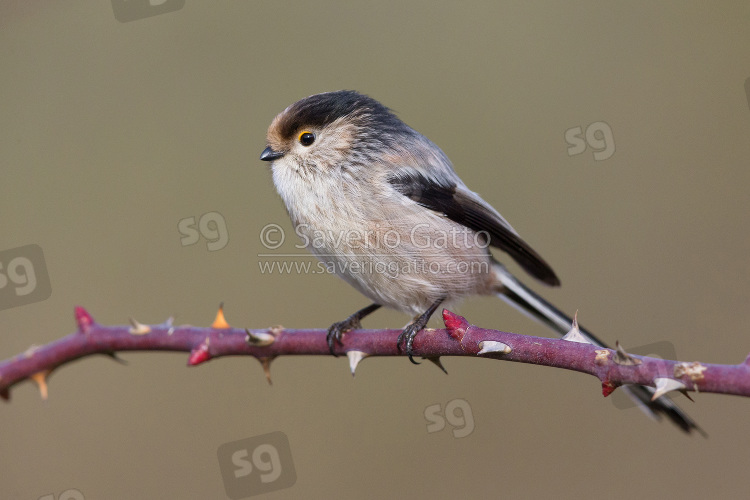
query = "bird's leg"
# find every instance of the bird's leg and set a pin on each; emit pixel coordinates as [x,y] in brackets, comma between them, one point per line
[351,323]
[415,327]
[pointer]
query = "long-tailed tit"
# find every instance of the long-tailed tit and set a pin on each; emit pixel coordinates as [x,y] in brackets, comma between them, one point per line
[381,205]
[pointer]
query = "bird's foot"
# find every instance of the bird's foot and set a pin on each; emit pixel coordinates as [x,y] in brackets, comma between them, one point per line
[407,337]
[337,330]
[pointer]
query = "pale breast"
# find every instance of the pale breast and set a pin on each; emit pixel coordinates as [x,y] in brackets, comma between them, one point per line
[395,252]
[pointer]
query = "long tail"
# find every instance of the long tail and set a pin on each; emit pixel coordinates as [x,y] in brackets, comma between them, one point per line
[525,300]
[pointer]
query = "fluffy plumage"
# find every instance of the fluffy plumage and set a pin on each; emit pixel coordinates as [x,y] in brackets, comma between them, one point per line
[368,171]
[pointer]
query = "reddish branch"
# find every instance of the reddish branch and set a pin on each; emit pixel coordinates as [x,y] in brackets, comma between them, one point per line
[612,367]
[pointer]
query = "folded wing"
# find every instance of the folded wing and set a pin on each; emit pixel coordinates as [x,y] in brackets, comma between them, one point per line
[459,204]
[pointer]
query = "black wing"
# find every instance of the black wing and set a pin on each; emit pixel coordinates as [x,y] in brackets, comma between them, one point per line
[467,209]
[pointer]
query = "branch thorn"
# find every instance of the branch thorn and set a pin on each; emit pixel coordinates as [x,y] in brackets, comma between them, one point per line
[623,358]
[138,328]
[574,334]
[354,358]
[259,339]
[438,363]
[665,385]
[266,364]
[41,381]
[169,325]
[220,323]
[493,347]
[115,357]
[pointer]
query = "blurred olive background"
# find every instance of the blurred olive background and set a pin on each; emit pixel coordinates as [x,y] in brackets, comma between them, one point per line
[111,133]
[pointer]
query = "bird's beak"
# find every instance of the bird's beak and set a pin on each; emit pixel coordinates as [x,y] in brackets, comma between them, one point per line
[269,154]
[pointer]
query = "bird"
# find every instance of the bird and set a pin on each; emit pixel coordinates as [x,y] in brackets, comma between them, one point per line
[382,206]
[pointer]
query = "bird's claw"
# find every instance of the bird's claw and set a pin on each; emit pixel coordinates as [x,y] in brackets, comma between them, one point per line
[337,331]
[407,336]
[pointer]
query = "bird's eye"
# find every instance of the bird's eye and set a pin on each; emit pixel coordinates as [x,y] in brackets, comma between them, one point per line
[306,138]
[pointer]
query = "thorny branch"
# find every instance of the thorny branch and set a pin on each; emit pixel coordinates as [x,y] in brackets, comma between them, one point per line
[613,367]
